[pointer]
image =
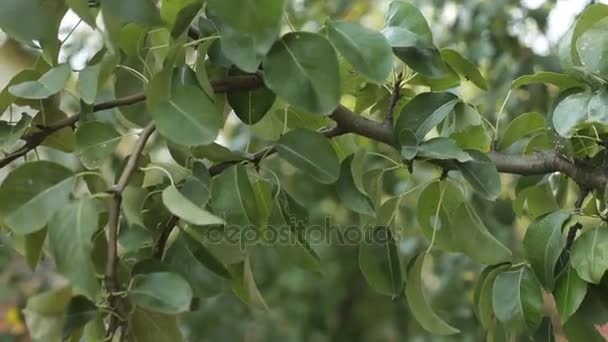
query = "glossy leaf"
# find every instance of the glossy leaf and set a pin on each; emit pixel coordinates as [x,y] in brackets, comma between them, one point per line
[569,294]
[366,50]
[570,112]
[71,234]
[418,305]
[302,68]
[589,255]
[183,208]
[188,118]
[48,84]
[95,142]
[424,112]
[39,187]
[543,244]
[518,300]
[524,125]
[161,292]
[379,261]
[592,46]
[442,148]
[348,192]
[464,67]
[481,174]
[559,80]
[311,153]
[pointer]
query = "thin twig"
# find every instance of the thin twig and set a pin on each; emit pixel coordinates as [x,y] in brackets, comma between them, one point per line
[117,303]
[394,99]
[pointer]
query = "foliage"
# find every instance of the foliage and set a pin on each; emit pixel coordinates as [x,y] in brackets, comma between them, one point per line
[368,137]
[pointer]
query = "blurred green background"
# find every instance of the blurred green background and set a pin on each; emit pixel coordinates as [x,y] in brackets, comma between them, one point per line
[506,38]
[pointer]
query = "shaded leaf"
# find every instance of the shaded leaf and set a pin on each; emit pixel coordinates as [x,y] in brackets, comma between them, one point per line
[48,84]
[348,193]
[589,256]
[464,67]
[569,294]
[80,311]
[481,174]
[96,141]
[524,125]
[559,80]
[161,292]
[379,261]
[183,208]
[424,112]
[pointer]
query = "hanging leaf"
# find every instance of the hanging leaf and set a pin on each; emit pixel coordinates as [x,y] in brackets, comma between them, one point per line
[45,313]
[161,292]
[443,149]
[311,153]
[424,112]
[569,294]
[141,12]
[178,14]
[33,247]
[188,118]
[379,261]
[148,326]
[592,46]
[590,16]
[589,255]
[348,193]
[437,205]
[527,124]
[543,245]
[71,233]
[518,300]
[80,311]
[244,286]
[96,141]
[366,50]
[302,68]
[559,80]
[418,305]
[40,23]
[464,67]
[247,16]
[48,84]
[483,302]
[481,174]
[10,134]
[183,208]
[39,187]
[251,105]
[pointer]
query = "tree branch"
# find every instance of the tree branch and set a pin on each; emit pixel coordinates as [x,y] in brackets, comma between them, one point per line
[117,303]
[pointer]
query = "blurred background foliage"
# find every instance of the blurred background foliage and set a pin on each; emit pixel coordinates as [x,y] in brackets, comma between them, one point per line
[506,38]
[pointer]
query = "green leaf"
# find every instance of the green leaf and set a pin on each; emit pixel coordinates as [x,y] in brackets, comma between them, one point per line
[472,237]
[588,322]
[248,16]
[348,193]
[436,207]
[559,80]
[48,84]
[191,260]
[183,208]
[311,153]
[481,174]
[379,261]
[424,112]
[92,79]
[63,139]
[6,98]
[34,243]
[442,148]
[464,67]
[197,188]
[32,193]
[569,294]
[589,20]
[44,314]
[245,49]
[178,14]
[365,49]
[217,153]
[543,244]
[571,112]
[141,12]
[80,311]
[161,292]
[251,105]
[82,9]
[524,125]
[412,40]
[95,142]
[418,305]
[188,118]
[518,300]
[409,144]
[484,305]
[302,68]
[244,286]
[148,326]
[71,233]
[40,23]
[10,134]
[589,255]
